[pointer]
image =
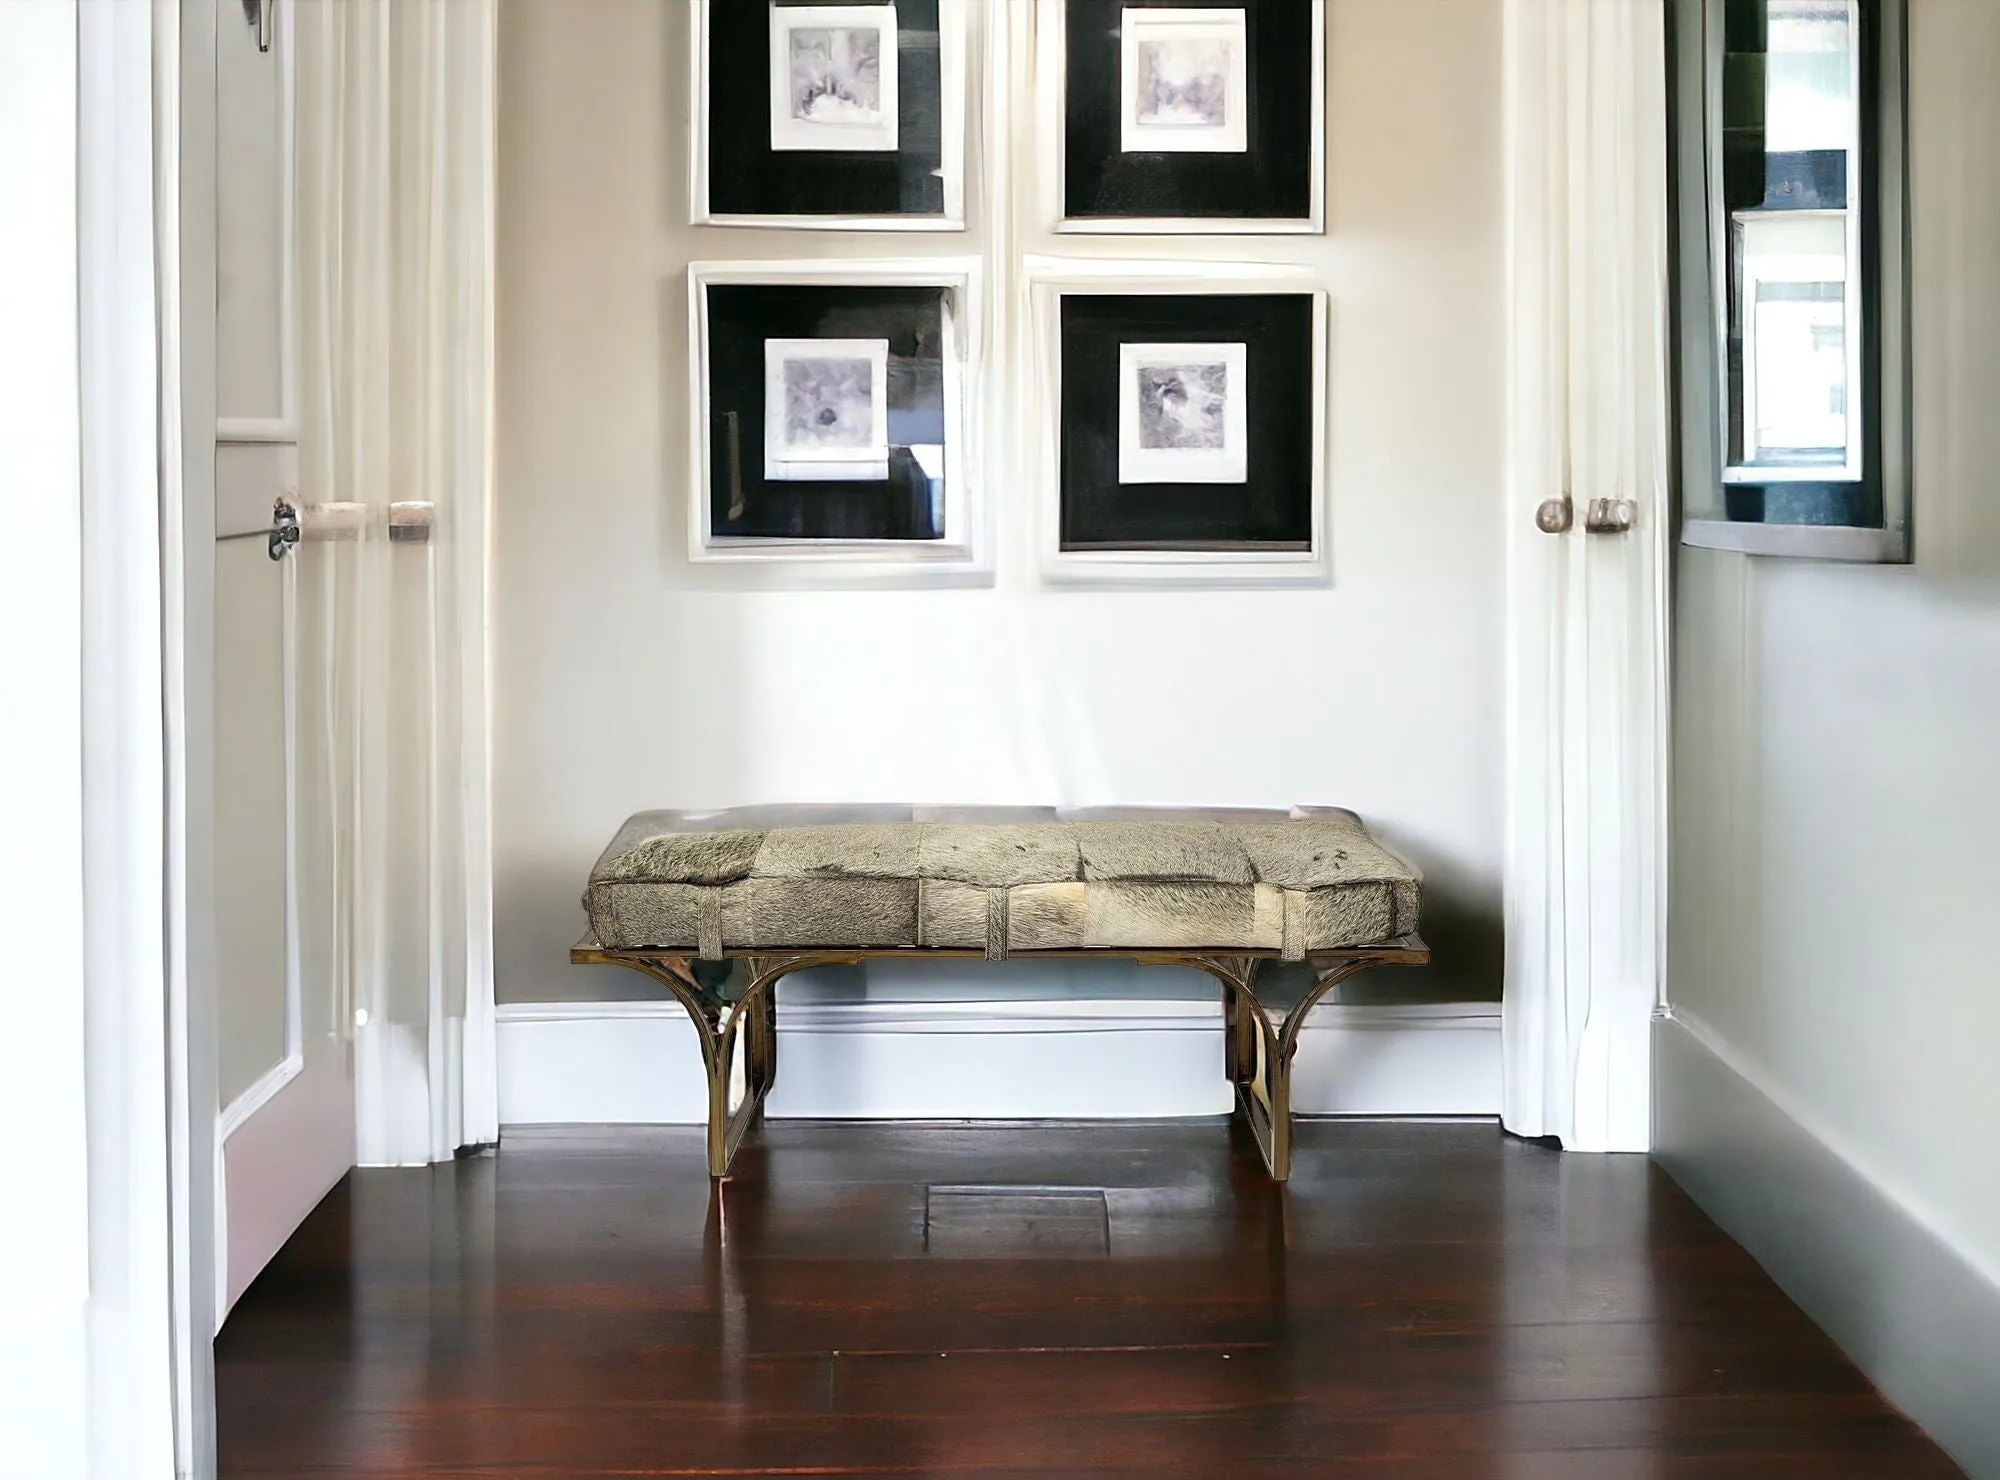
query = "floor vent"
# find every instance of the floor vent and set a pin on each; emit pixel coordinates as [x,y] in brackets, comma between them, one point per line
[994,1222]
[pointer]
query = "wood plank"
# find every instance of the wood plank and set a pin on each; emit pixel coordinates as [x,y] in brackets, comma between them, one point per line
[1424,1301]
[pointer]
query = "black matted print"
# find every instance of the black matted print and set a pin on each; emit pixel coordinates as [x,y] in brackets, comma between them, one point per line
[1189,111]
[1188,421]
[827,412]
[824,110]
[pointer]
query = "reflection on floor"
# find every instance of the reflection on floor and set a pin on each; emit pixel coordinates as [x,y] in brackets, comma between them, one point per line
[1428,1301]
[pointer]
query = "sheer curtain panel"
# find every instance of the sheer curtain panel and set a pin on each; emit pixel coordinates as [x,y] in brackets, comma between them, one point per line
[395,172]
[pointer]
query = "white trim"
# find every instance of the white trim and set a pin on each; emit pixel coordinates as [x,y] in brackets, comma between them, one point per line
[276,1161]
[1051,123]
[1024,1015]
[1046,281]
[184,79]
[961,552]
[256,1097]
[957,76]
[284,427]
[1799,541]
[1085,1058]
[1868,1262]
[1883,1179]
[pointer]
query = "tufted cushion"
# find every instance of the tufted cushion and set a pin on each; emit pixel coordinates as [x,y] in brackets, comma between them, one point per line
[1000,881]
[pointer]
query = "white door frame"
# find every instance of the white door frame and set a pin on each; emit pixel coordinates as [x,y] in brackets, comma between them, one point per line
[185,83]
[112,1272]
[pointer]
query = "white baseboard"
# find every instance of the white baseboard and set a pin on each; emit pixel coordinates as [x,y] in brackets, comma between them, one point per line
[280,1147]
[1074,1059]
[1912,1312]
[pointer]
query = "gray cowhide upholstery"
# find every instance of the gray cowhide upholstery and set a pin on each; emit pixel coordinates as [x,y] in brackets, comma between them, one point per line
[999,880]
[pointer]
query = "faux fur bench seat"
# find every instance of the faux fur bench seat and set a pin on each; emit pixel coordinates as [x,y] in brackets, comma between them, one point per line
[789,888]
[719,883]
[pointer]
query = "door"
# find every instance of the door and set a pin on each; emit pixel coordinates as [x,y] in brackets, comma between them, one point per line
[283,1062]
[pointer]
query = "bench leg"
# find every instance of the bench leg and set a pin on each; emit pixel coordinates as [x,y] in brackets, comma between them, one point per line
[1260,1075]
[752,1019]
[1257,1055]
[1264,1093]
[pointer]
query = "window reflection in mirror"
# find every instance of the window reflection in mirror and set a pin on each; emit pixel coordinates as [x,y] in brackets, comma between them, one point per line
[1791,132]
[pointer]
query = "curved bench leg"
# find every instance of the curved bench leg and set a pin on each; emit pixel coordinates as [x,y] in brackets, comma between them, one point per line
[1262,1076]
[1257,1056]
[753,1017]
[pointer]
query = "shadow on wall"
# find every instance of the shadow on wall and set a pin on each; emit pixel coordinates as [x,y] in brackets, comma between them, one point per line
[1462,925]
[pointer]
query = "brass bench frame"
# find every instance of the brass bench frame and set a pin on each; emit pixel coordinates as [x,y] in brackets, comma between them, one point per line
[1257,1045]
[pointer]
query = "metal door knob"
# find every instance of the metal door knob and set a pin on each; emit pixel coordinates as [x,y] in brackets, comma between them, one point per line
[1554,515]
[1609,515]
[284,528]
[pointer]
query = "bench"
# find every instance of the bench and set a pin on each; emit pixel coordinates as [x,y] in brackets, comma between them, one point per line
[785,889]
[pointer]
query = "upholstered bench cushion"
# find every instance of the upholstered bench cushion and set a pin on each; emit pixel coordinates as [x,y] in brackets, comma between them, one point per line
[999,881]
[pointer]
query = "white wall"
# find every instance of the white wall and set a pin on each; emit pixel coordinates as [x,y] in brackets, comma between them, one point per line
[1838,775]
[625,679]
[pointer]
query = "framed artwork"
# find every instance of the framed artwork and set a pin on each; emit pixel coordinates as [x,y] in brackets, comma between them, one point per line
[1166,116]
[826,409]
[832,424]
[1183,81]
[833,78]
[828,117]
[1180,413]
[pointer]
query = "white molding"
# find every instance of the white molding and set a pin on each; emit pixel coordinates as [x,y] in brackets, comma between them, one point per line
[1586,614]
[1051,125]
[957,75]
[1078,1058]
[1862,1257]
[276,1158]
[1046,281]
[1799,541]
[234,431]
[962,552]
[258,1095]
[184,192]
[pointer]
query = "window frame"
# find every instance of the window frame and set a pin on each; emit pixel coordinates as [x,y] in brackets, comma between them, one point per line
[1700,228]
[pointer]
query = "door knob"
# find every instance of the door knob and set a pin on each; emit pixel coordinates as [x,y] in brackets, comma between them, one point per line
[1554,515]
[1609,515]
[284,528]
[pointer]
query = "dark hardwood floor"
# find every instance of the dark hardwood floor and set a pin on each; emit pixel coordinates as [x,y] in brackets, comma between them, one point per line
[1436,1302]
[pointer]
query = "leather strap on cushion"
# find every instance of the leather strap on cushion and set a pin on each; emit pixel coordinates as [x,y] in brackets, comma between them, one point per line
[709,939]
[996,924]
[1294,948]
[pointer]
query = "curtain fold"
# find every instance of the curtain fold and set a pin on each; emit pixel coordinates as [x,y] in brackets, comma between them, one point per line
[1587,618]
[395,144]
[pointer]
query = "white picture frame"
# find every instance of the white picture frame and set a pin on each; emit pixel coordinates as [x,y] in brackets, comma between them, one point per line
[963,555]
[957,32]
[1050,71]
[1209,50]
[834,78]
[840,384]
[1046,282]
[1157,393]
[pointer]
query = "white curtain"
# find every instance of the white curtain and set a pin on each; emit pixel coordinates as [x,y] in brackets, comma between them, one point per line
[395,169]
[1587,614]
